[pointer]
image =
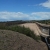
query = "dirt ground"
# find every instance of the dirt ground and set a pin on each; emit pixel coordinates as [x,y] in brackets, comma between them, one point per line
[10,40]
[33,27]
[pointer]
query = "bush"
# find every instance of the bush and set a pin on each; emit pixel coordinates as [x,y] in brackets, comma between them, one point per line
[25,31]
[22,30]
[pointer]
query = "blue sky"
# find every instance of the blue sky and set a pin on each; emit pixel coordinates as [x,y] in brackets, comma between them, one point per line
[24,10]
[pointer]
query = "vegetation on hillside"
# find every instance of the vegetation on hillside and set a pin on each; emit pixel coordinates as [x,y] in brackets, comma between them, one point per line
[10,26]
[22,30]
[13,25]
[44,21]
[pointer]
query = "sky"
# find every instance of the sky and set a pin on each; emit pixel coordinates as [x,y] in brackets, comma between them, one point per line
[24,10]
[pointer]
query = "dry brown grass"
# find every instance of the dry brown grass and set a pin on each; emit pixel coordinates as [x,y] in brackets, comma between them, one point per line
[10,40]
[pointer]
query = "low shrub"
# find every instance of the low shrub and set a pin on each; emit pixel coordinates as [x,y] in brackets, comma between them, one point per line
[22,30]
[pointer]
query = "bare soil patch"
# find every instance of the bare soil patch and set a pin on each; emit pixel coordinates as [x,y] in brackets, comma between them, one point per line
[33,27]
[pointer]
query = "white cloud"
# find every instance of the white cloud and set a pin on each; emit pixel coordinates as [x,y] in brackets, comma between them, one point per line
[46,4]
[13,15]
[41,15]
[6,16]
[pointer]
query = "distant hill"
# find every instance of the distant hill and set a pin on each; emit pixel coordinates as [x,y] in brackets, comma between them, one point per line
[44,21]
[8,23]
